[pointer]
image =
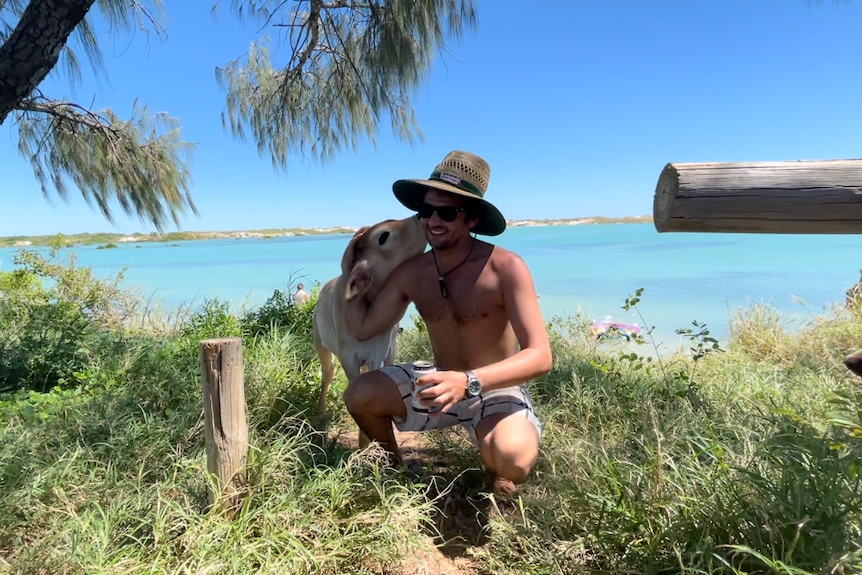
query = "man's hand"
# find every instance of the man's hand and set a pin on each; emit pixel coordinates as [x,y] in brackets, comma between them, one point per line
[447,389]
[349,257]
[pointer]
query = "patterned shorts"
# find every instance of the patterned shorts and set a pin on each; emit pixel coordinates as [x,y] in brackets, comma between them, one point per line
[467,412]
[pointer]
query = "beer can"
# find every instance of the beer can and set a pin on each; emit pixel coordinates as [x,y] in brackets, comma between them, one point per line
[421,368]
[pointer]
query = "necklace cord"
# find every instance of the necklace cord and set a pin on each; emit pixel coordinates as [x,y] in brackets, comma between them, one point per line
[441,277]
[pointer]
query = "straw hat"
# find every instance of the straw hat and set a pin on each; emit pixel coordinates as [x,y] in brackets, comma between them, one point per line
[463,174]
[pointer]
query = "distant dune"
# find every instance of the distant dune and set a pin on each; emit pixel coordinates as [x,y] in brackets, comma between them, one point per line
[577,221]
[106,238]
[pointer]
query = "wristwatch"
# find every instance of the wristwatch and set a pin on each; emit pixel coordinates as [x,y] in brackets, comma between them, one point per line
[474,387]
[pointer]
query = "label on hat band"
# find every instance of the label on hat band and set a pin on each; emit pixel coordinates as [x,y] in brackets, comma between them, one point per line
[457,182]
[451,178]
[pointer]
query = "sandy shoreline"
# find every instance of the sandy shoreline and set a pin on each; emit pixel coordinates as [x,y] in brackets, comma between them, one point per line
[109,239]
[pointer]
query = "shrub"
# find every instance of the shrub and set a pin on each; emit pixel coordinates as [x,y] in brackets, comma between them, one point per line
[281,378]
[413,344]
[211,319]
[52,316]
[279,312]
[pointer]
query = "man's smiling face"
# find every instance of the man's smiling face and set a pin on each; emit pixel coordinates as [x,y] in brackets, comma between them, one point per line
[441,233]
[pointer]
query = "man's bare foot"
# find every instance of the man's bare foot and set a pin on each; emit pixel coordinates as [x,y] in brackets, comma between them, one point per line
[503,488]
[504,495]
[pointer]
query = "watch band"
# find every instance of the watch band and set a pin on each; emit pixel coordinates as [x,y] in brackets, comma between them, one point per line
[471,378]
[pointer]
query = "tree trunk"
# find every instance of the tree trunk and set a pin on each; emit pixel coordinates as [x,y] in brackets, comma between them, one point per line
[33,48]
[225,425]
[805,197]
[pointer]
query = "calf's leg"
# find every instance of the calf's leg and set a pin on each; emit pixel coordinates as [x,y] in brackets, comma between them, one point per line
[327,372]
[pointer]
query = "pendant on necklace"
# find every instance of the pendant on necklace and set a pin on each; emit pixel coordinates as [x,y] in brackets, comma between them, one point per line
[444,289]
[441,277]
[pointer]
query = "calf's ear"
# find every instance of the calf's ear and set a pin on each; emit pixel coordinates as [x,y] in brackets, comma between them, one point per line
[359,281]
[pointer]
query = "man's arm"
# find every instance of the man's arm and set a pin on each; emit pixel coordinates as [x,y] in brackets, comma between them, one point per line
[532,360]
[368,318]
[534,357]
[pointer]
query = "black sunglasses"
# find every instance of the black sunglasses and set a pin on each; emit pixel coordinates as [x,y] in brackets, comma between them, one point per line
[445,213]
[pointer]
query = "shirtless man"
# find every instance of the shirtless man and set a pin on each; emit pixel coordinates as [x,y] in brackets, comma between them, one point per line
[300,296]
[484,322]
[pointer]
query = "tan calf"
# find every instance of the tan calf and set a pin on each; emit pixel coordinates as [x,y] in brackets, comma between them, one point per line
[378,252]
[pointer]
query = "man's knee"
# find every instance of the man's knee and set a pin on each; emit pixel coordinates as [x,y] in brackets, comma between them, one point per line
[358,392]
[509,446]
[373,393]
[518,453]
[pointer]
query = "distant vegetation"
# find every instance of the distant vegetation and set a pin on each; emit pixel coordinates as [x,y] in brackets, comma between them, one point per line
[712,461]
[103,238]
[108,239]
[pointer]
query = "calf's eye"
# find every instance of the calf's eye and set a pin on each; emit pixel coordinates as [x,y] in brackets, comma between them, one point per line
[381,239]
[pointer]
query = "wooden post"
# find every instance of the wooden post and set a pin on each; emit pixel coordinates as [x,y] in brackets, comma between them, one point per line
[224,416]
[804,197]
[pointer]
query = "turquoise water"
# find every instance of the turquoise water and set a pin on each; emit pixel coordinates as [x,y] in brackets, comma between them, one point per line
[587,269]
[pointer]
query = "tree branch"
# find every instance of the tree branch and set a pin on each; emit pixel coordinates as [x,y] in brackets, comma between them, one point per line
[33,48]
[67,111]
[313,24]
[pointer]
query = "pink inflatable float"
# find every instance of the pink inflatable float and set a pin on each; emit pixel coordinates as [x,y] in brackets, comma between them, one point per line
[609,329]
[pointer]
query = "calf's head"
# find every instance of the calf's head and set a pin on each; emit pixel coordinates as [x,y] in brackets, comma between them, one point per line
[382,248]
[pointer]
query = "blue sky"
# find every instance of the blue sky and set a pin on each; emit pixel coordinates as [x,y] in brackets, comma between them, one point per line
[577,105]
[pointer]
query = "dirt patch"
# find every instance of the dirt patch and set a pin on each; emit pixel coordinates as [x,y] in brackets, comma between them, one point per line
[462,506]
[435,563]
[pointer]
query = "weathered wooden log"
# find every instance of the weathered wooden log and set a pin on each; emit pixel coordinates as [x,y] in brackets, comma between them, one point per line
[803,197]
[224,417]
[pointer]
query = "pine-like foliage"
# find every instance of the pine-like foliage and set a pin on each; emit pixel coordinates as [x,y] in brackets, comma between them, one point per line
[340,65]
[136,163]
[139,164]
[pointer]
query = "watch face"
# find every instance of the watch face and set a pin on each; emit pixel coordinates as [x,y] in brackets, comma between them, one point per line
[474,388]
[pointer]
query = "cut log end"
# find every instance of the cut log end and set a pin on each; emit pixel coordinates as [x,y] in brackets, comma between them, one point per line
[219,341]
[665,192]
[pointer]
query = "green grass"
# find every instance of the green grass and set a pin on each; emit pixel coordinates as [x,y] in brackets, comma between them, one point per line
[736,460]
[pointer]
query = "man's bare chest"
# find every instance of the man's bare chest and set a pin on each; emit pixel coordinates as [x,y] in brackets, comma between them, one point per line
[472,298]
